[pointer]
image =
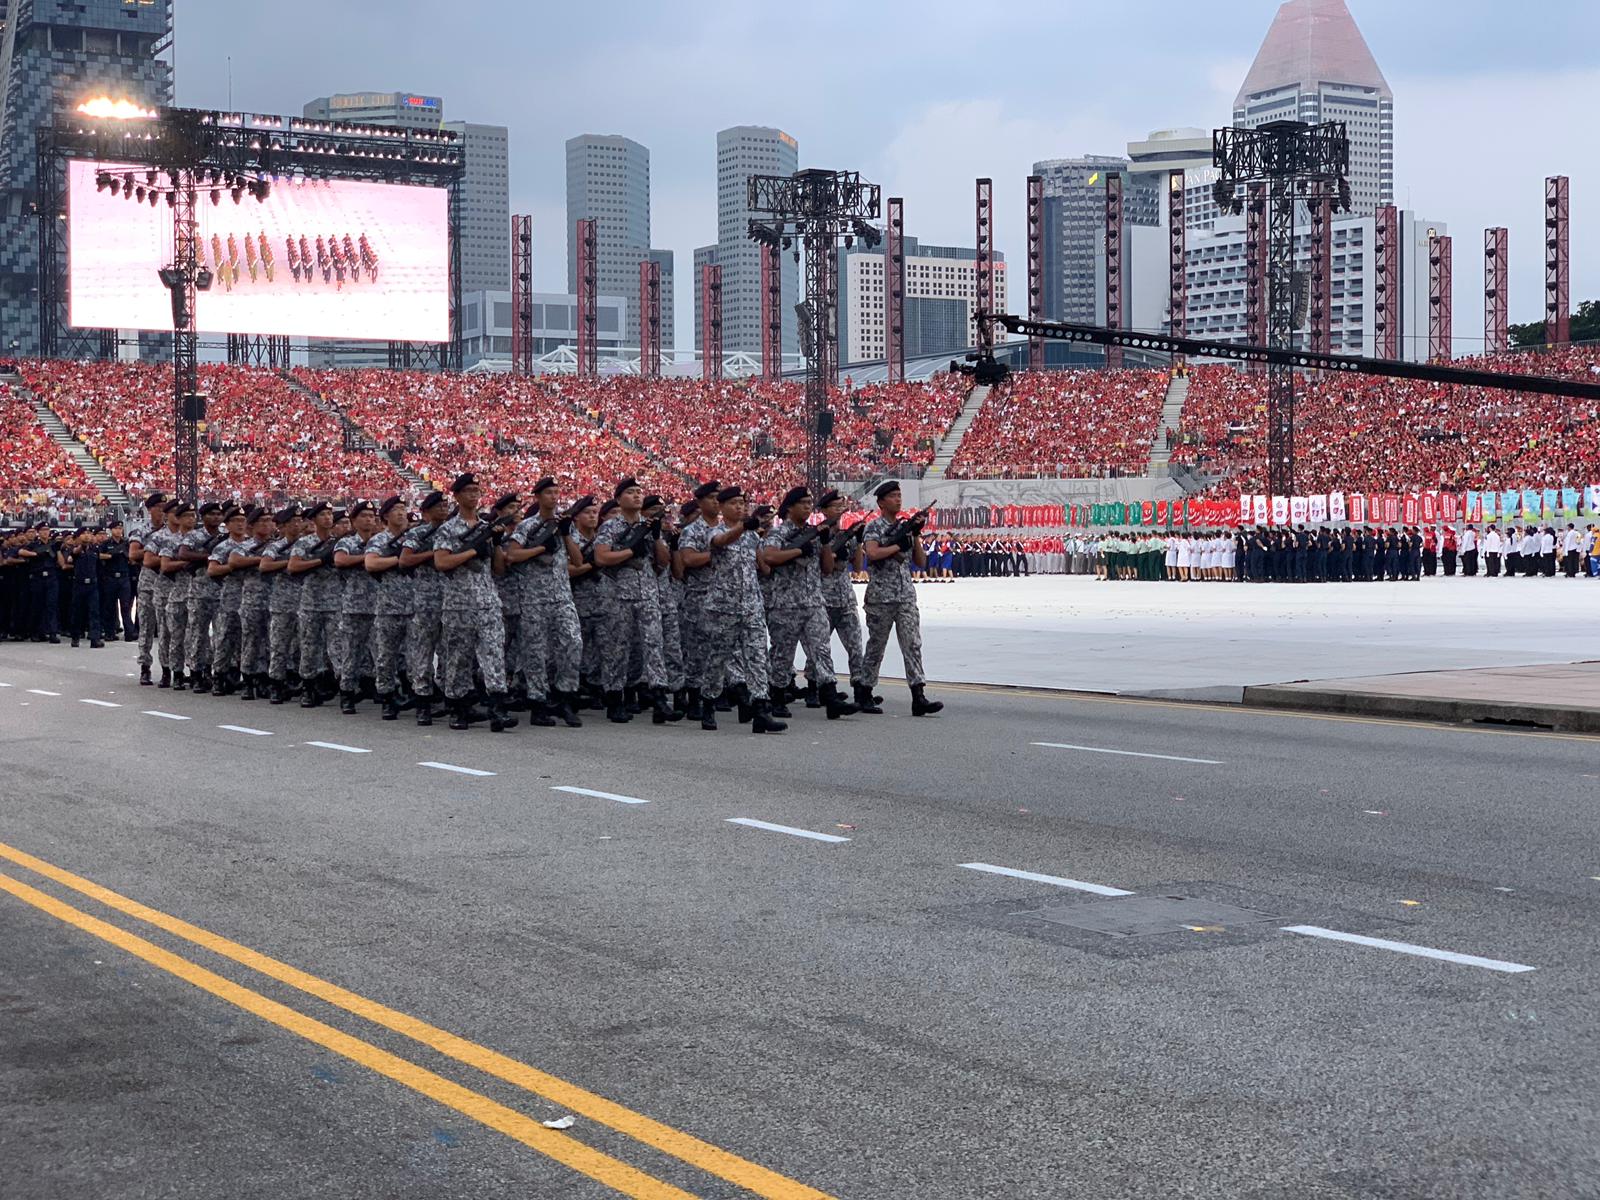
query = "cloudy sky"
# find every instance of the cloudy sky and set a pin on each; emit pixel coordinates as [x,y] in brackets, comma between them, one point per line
[1489,98]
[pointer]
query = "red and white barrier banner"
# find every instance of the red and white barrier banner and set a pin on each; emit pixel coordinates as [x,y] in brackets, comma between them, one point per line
[1298,510]
[1358,508]
[1317,507]
[1430,507]
[1336,506]
[1247,508]
[1260,510]
[1410,509]
[1280,510]
[1449,506]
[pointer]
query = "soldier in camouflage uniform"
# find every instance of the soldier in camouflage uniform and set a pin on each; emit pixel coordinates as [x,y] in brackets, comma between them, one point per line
[634,670]
[552,636]
[176,613]
[591,594]
[693,563]
[205,594]
[733,607]
[473,635]
[841,551]
[396,588]
[890,548]
[358,605]
[311,558]
[146,577]
[422,635]
[225,630]
[508,585]
[792,552]
[341,530]
[283,604]
[669,597]
[254,620]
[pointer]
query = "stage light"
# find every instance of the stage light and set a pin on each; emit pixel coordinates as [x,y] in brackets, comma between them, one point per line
[216,195]
[116,110]
[150,178]
[139,195]
[171,278]
[202,279]
[100,183]
[127,182]
[172,199]
[236,193]
[155,198]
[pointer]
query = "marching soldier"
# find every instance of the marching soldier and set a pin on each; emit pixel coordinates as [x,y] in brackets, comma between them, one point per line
[204,594]
[283,603]
[148,576]
[669,599]
[633,665]
[737,623]
[792,550]
[589,596]
[254,619]
[427,589]
[358,604]
[311,558]
[227,636]
[472,633]
[841,552]
[694,565]
[552,636]
[889,547]
[395,602]
[508,585]
[176,567]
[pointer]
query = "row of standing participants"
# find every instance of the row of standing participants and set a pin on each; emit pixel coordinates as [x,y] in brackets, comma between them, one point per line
[1344,555]
[626,606]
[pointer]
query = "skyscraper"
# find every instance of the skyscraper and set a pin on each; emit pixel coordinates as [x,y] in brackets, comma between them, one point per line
[1075,230]
[55,54]
[1315,66]
[608,181]
[743,151]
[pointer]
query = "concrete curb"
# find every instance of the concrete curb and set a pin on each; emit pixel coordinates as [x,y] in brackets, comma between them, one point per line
[1428,708]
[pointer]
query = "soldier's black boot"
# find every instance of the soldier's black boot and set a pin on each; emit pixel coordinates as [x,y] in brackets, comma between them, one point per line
[761,718]
[74,643]
[277,691]
[347,703]
[313,695]
[202,683]
[499,719]
[458,714]
[692,708]
[166,678]
[708,716]
[248,692]
[144,677]
[779,702]
[180,682]
[921,706]
[633,700]
[661,710]
[567,711]
[866,702]
[539,714]
[836,704]
[391,706]
[741,696]
[724,701]
[615,710]
[813,699]
[424,712]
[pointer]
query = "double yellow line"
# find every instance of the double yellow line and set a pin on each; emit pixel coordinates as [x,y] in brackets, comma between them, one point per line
[561,1147]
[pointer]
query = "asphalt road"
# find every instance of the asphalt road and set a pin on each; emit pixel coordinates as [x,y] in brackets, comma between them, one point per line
[730,1010]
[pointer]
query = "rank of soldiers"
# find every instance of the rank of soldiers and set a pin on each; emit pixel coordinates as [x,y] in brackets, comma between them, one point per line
[628,606]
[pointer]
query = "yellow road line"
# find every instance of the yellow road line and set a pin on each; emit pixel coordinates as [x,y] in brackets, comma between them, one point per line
[563,1149]
[1251,710]
[690,1149]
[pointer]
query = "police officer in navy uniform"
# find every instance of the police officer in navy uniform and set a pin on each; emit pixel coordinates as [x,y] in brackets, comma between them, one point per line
[116,586]
[83,553]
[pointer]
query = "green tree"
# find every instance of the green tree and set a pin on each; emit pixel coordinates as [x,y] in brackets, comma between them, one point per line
[1585,327]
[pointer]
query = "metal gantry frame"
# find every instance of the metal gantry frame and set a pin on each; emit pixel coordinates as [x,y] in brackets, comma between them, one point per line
[1388,286]
[1496,329]
[710,323]
[771,313]
[1177,257]
[1557,263]
[1255,264]
[894,292]
[815,208]
[588,297]
[650,318]
[1036,267]
[521,294]
[983,261]
[1322,273]
[244,349]
[1280,162]
[1439,298]
[1115,317]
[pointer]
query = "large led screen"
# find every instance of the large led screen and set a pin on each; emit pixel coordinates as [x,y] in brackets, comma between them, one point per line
[320,258]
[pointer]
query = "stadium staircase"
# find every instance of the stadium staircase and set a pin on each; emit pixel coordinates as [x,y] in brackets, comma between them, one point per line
[56,429]
[951,442]
[356,438]
[1171,418]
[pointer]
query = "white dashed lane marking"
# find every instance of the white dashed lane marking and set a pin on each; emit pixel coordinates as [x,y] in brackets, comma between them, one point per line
[41,692]
[1466,960]
[580,791]
[1099,889]
[100,703]
[789,829]
[337,746]
[1210,762]
[246,729]
[156,712]
[439,766]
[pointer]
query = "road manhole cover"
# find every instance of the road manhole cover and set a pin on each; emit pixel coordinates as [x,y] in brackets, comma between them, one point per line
[1140,916]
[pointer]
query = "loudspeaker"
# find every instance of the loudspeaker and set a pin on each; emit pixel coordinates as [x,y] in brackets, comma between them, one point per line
[825,424]
[194,407]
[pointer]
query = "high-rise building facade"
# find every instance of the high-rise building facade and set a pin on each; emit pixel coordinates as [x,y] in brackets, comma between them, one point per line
[941,297]
[54,54]
[1075,230]
[608,182]
[743,151]
[1315,66]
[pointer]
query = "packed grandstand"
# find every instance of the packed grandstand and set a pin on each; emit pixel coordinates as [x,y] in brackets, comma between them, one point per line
[299,433]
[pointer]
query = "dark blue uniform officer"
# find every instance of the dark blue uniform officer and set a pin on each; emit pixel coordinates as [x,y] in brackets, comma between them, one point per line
[84,555]
[116,587]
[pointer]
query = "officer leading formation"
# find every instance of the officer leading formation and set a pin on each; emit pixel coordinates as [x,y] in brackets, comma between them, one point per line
[625,606]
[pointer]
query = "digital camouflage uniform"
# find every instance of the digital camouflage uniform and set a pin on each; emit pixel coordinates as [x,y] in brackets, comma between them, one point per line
[154,591]
[508,587]
[695,536]
[254,621]
[736,622]
[174,642]
[551,635]
[427,588]
[283,615]
[146,586]
[891,604]
[633,636]
[358,604]
[227,634]
[205,596]
[591,595]
[390,625]
[797,615]
[472,634]
[844,615]
[319,610]
[669,600]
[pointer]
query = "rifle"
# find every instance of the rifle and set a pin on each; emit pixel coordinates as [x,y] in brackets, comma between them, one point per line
[906,528]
